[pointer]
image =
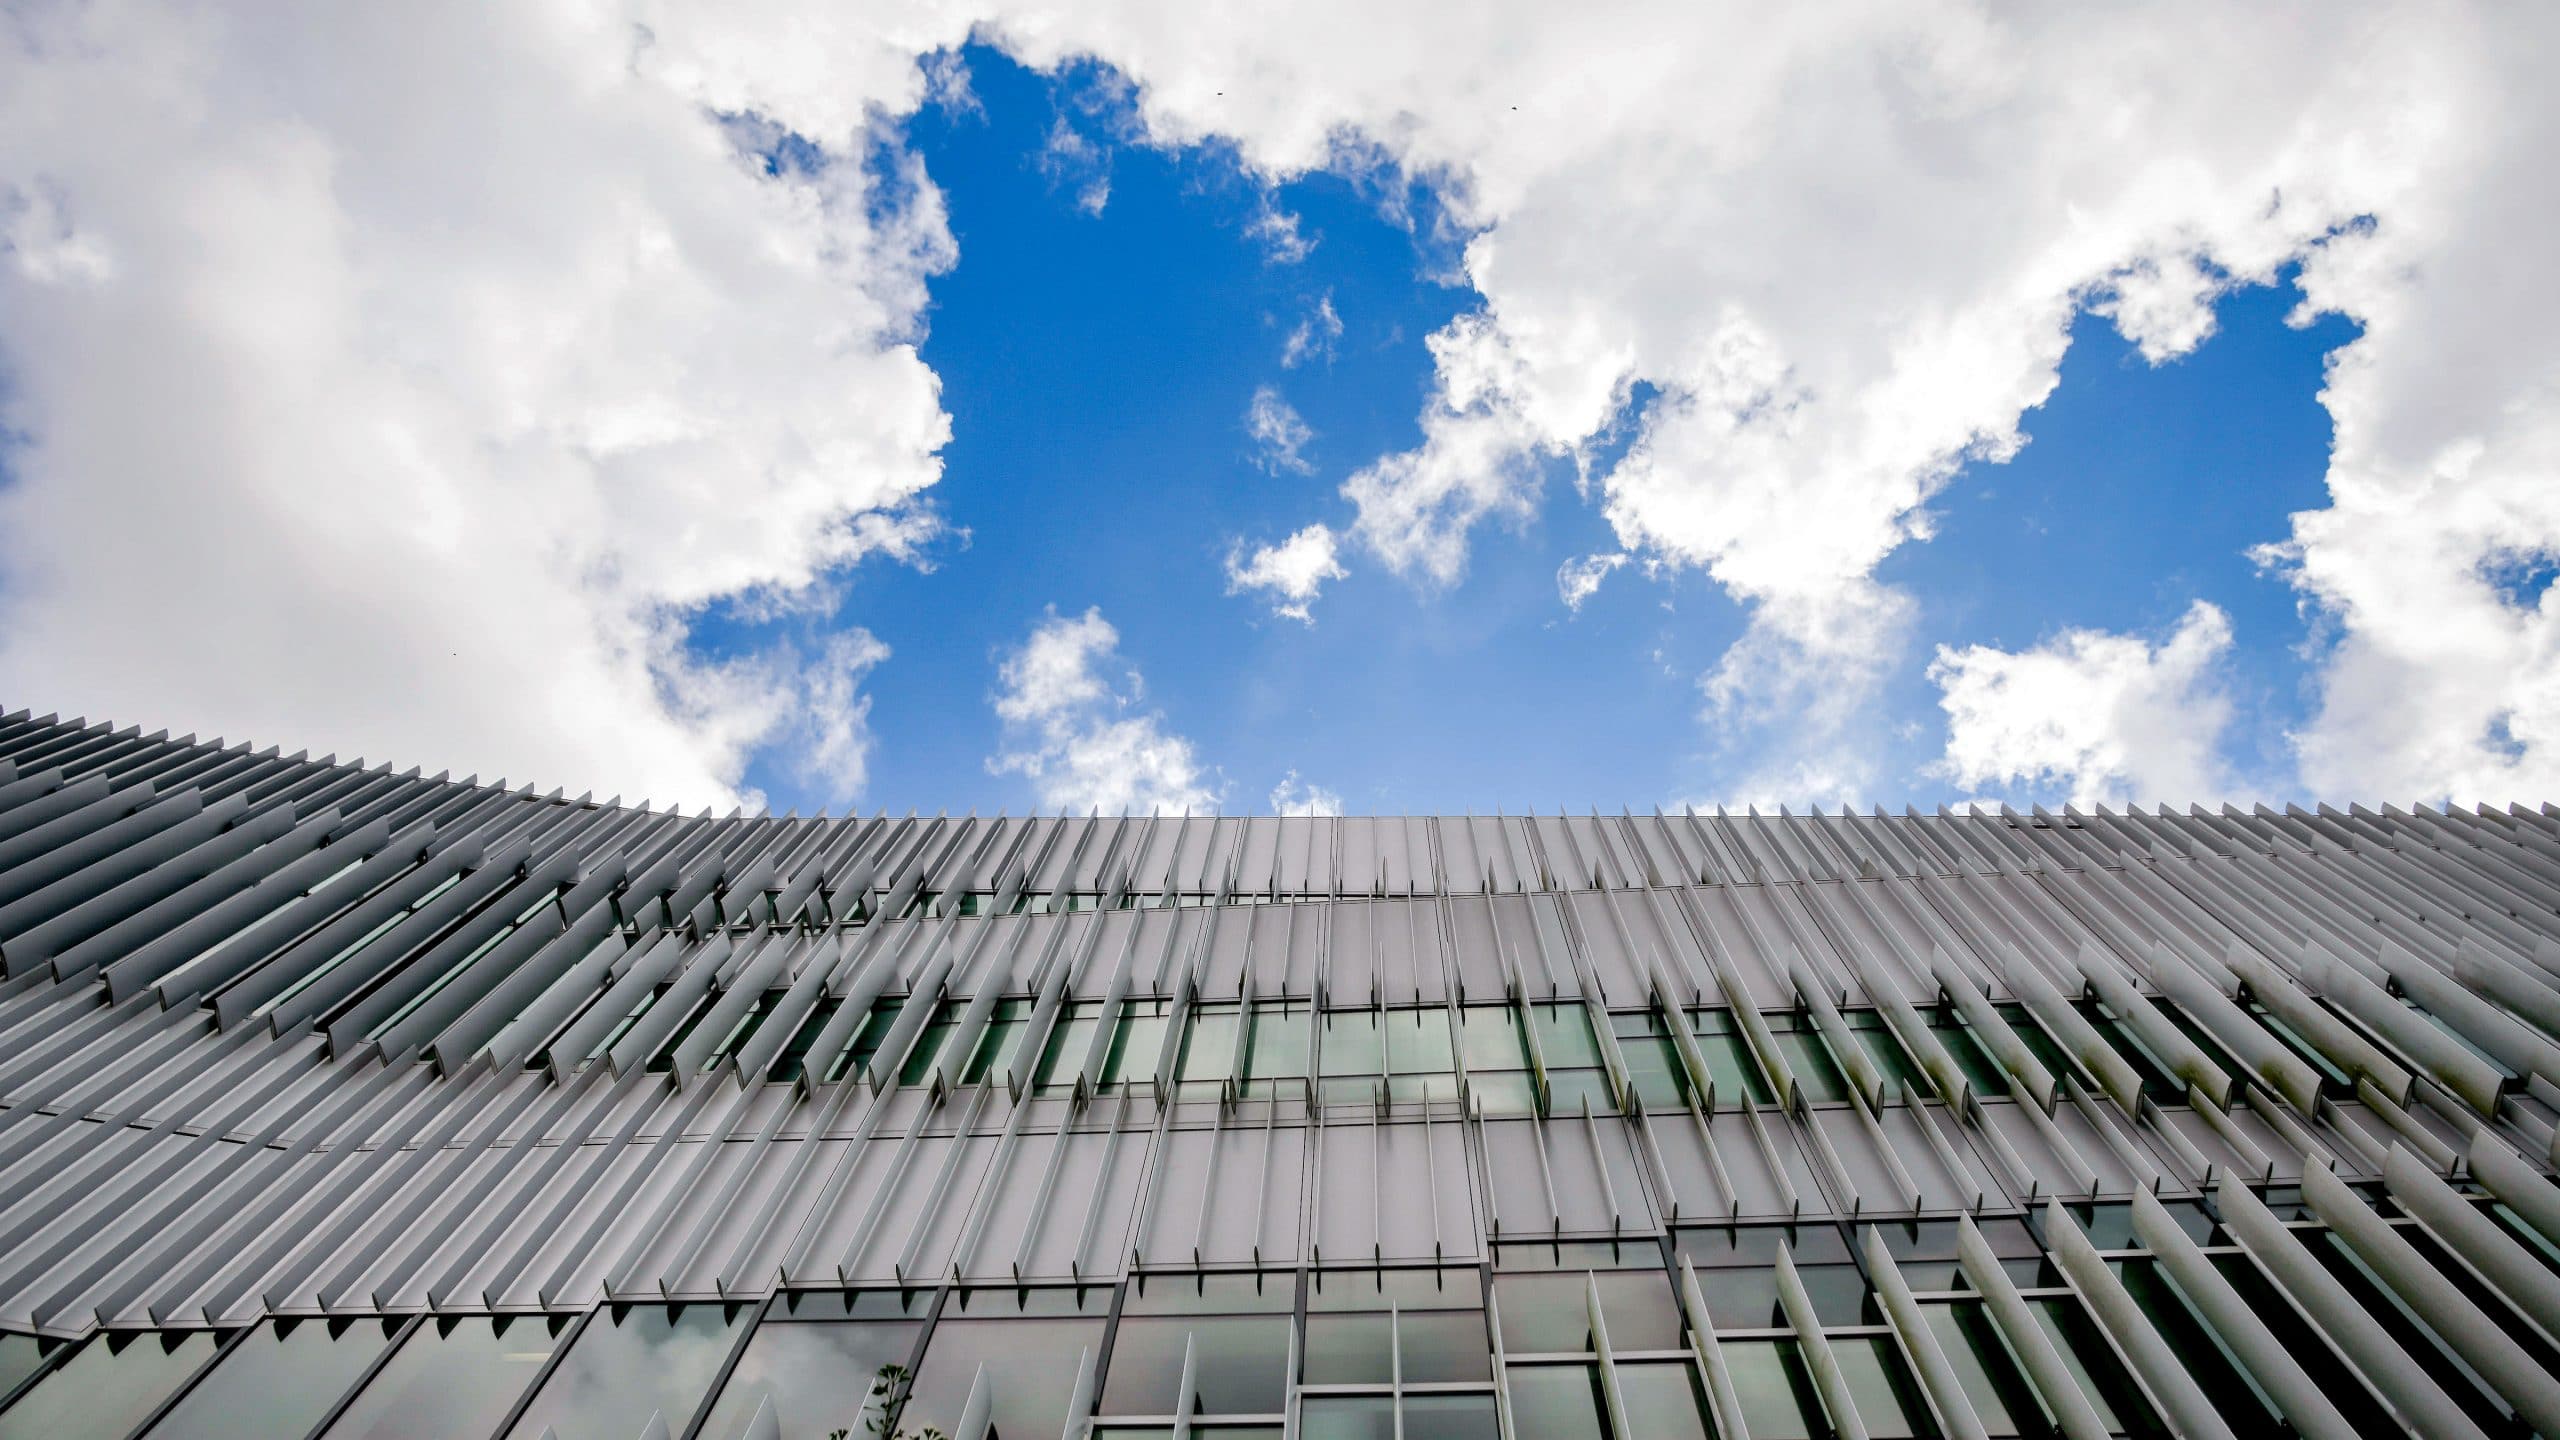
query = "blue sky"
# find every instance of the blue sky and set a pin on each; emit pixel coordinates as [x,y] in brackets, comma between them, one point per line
[1000,404]
[1098,368]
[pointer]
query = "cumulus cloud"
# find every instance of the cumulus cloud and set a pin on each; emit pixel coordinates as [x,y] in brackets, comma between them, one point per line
[1279,436]
[1293,796]
[1863,277]
[1313,337]
[439,417]
[1289,574]
[2098,717]
[1578,579]
[1075,726]
[834,746]
[345,414]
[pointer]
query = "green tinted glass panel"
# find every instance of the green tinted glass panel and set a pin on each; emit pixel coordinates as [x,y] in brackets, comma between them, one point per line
[1736,1073]
[281,1379]
[1006,1025]
[1349,1350]
[818,1375]
[20,1357]
[1346,1417]
[450,1377]
[926,1048]
[1557,1402]
[1503,1092]
[1654,1069]
[1664,1400]
[110,1385]
[1489,1038]
[867,1040]
[1241,1364]
[1450,1417]
[625,1367]
[1278,1045]
[1418,1041]
[793,1059]
[1069,1040]
[1031,1366]
[1880,1386]
[1137,1042]
[1208,1045]
[1568,1091]
[1775,1390]
[1564,1033]
[1351,1045]
[1818,1078]
[1441,1346]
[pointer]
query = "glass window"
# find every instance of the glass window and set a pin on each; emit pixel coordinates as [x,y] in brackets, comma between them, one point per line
[1208,1045]
[745,1029]
[1440,1346]
[281,1379]
[1550,1314]
[1450,1417]
[1654,1069]
[1502,1092]
[20,1357]
[1137,1042]
[1006,1025]
[1489,1038]
[1564,1033]
[451,1377]
[1885,1049]
[1819,1080]
[1570,1091]
[1775,1389]
[867,1040]
[630,1363]
[1990,1378]
[1880,1386]
[1240,1367]
[110,1385]
[1664,1400]
[1069,1038]
[1347,1417]
[1279,1043]
[793,1061]
[1559,1402]
[928,1043]
[817,1373]
[1418,1041]
[1031,1373]
[1349,1350]
[1351,1044]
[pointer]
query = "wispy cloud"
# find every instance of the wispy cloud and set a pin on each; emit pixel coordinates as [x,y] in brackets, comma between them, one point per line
[1293,796]
[1279,437]
[1312,338]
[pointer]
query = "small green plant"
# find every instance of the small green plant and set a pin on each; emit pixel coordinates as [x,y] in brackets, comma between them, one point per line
[888,1398]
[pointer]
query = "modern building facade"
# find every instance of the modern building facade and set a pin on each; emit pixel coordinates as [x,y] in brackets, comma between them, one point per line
[344,1102]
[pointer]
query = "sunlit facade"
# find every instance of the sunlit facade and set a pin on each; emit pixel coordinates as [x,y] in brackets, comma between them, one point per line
[351,1102]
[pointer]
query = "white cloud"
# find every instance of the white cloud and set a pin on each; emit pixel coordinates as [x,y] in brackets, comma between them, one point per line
[2099,717]
[834,749]
[1279,436]
[1313,337]
[1075,727]
[1277,230]
[1841,245]
[439,418]
[1578,579]
[1293,796]
[360,418]
[1291,572]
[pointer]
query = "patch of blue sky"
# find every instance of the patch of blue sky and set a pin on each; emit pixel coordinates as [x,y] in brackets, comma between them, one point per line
[1097,365]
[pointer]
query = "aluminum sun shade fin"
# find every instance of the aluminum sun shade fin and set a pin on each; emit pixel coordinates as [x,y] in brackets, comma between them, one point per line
[689,981]
[2399,1382]
[2514,1373]
[87,900]
[377,938]
[2269,1062]
[46,838]
[330,892]
[2509,1040]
